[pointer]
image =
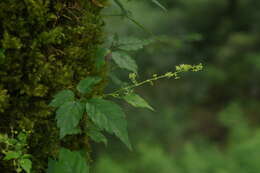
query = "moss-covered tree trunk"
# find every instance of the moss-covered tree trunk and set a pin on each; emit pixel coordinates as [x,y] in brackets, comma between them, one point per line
[46,46]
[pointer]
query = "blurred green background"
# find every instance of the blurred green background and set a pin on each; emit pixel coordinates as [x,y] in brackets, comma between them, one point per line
[206,122]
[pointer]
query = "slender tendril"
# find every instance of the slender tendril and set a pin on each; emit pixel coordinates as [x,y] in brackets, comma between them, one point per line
[132,76]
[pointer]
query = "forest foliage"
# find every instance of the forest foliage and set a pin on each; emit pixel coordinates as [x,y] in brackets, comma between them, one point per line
[208,122]
[66,66]
[55,47]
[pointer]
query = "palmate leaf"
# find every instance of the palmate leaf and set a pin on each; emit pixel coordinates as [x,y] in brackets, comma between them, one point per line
[109,116]
[85,86]
[124,61]
[62,97]
[68,116]
[132,43]
[137,101]
[69,162]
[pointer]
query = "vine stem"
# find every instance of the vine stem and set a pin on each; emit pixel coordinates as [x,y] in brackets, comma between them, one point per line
[179,69]
[166,75]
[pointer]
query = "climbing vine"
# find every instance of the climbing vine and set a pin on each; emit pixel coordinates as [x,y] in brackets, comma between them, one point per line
[53,70]
[103,114]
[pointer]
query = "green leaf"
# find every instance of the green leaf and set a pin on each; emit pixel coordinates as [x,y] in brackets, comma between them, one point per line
[3,138]
[12,155]
[26,156]
[132,44]
[109,116]
[22,137]
[137,101]
[6,140]
[69,162]
[100,57]
[68,116]
[124,61]
[85,86]
[62,97]
[159,4]
[95,134]
[26,164]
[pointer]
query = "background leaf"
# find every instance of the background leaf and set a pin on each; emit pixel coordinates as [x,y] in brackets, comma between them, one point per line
[159,4]
[26,164]
[69,162]
[85,85]
[109,116]
[68,117]
[62,97]
[12,155]
[137,101]
[124,61]
[132,43]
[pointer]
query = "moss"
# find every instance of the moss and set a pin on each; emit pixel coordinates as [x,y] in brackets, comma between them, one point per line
[49,45]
